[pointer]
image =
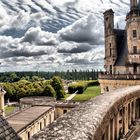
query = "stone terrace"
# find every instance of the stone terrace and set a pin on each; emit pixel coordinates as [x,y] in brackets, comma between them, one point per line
[84,121]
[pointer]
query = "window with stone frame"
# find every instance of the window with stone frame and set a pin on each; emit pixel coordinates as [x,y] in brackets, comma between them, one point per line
[134,49]
[134,33]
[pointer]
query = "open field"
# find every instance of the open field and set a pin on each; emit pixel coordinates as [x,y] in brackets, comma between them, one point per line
[88,94]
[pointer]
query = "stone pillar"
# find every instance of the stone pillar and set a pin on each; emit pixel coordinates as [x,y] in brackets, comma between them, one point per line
[137,109]
[117,126]
[125,123]
[134,111]
[112,129]
[108,133]
[129,114]
[2,92]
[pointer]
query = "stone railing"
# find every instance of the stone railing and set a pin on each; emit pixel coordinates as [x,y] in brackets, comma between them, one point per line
[110,116]
[119,76]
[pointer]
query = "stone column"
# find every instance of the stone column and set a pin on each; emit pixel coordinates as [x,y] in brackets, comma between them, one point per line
[130,114]
[112,129]
[125,123]
[137,109]
[108,133]
[134,111]
[117,126]
[2,102]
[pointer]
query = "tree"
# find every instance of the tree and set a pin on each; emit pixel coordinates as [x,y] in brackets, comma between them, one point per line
[58,87]
[49,91]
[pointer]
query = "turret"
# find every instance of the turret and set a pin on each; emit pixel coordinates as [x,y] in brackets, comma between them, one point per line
[110,41]
[109,22]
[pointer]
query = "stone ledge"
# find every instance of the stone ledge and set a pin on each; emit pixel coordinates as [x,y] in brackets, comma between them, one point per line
[89,120]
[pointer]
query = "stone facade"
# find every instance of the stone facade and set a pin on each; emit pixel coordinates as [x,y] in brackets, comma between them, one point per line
[122,48]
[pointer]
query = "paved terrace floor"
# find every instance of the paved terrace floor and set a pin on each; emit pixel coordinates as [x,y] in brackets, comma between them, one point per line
[23,118]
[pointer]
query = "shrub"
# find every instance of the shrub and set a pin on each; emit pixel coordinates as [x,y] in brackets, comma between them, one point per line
[78,87]
[49,91]
[92,83]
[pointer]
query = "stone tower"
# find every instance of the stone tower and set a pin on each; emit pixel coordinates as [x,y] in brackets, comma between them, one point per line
[122,50]
[110,41]
[133,37]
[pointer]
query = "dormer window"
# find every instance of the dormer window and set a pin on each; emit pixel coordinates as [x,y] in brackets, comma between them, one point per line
[134,33]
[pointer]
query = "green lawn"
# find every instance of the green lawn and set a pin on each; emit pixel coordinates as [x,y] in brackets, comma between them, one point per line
[67,95]
[88,94]
[9,109]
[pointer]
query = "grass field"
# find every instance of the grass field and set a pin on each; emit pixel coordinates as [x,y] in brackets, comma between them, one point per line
[9,109]
[88,94]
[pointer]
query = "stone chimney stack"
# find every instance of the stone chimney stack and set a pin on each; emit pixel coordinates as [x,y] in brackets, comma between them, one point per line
[133,4]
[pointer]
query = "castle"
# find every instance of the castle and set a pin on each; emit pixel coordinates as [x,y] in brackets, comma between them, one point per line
[122,50]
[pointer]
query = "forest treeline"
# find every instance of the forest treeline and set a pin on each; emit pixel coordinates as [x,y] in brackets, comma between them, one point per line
[40,76]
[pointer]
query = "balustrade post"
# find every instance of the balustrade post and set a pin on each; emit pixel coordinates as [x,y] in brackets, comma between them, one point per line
[129,114]
[134,112]
[108,133]
[125,123]
[137,109]
[112,129]
[117,126]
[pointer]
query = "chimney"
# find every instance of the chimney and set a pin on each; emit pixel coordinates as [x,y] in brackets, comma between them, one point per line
[133,4]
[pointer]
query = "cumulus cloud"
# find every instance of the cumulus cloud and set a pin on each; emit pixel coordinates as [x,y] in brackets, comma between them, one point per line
[39,37]
[45,35]
[87,29]
[72,47]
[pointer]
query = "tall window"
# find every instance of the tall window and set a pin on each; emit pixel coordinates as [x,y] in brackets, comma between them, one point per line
[65,111]
[134,33]
[110,51]
[28,135]
[135,68]
[134,49]
[40,125]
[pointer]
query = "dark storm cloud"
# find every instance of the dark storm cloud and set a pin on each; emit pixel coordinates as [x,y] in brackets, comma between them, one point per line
[78,61]
[73,47]
[19,53]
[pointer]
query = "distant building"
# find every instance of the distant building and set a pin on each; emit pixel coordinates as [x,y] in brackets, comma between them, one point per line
[36,113]
[6,131]
[122,50]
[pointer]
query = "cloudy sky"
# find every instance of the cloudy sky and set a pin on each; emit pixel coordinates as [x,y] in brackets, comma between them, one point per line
[48,35]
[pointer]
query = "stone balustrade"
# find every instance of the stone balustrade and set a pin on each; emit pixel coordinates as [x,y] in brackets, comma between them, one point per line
[119,76]
[110,116]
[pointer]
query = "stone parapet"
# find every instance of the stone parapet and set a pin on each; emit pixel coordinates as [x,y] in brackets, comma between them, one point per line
[97,119]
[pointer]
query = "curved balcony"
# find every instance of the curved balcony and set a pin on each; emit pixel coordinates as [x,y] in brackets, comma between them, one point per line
[134,58]
[110,116]
[119,76]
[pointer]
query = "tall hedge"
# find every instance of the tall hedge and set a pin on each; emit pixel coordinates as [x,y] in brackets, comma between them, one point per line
[78,88]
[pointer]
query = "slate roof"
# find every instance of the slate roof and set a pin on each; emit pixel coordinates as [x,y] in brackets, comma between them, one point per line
[122,49]
[6,131]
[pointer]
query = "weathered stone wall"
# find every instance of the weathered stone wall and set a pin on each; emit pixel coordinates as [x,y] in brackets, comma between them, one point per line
[110,85]
[37,125]
[90,120]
